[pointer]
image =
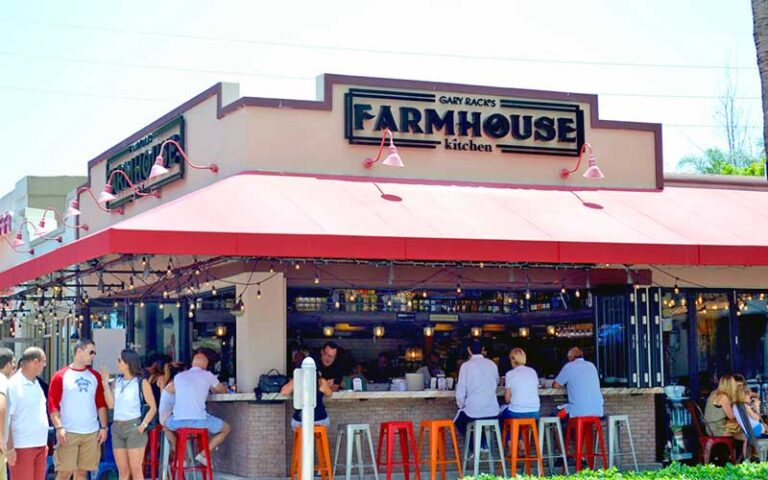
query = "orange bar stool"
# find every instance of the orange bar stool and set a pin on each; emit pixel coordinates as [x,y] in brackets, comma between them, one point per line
[584,429]
[437,430]
[322,453]
[404,431]
[151,452]
[525,427]
[200,436]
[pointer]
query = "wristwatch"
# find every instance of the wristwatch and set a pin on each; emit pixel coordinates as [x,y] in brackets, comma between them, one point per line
[144,425]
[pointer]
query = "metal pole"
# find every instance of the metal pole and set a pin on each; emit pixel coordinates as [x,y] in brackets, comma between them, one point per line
[307,394]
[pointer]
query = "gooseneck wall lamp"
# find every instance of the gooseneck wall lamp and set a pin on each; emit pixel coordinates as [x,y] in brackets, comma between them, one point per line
[18,242]
[593,171]
[159,168]
[392,160]
[107,196]
[62,221]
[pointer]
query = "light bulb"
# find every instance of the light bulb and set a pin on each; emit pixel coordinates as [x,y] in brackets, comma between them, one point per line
[429,331]
[328,330]
[524,331]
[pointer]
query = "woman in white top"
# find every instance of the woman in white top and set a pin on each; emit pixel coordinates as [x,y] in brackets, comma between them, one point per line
[522,389]
[129,437]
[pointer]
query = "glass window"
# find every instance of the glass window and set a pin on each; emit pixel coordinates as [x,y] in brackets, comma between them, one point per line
[156,328]
[752,313]
[676,328]
[713,338]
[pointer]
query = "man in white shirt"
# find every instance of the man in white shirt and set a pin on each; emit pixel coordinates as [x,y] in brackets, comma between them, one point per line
[580,379]
[78,413]
[476,388]
[28,441]
[191,389]
[7,367]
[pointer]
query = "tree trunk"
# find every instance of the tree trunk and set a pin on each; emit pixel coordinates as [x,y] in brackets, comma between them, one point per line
[760,19]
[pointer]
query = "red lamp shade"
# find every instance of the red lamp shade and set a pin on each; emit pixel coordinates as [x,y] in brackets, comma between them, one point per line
[159,168]
[392,160]
[593,171]
[18,240]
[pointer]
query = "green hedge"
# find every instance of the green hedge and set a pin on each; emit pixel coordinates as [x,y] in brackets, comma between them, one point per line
[673,472]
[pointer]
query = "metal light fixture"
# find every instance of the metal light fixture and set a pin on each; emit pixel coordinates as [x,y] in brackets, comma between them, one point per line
[551,330]
[524,332]
[328,330]
[429,331]
[476,331]
[159,167]
[378,331]
[593,171]
[107,195]
[220,330]
[392,160]
[60,219]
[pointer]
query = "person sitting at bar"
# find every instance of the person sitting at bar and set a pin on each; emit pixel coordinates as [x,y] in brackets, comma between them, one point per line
[357,374]
[329,365]
[521,391]
[431,368]
[381,371]
[476,388]
[323,392]
[580,378]
[718,410]
[191,390]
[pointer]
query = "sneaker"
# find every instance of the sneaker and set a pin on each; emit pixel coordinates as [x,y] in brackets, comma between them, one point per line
[200,458]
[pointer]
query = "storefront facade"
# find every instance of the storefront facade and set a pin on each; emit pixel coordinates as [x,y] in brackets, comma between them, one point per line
[293,239]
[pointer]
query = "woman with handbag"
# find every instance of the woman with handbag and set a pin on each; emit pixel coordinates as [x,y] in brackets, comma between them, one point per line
[134,410]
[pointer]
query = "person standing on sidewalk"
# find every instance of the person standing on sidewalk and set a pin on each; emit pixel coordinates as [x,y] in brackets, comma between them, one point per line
[78,413]
[7,367]
[28,441]
[129,436]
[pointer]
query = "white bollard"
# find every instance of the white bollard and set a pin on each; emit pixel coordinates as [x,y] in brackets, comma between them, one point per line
[305,399]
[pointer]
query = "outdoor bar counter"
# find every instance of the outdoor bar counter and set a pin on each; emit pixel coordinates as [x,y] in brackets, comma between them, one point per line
[260,444]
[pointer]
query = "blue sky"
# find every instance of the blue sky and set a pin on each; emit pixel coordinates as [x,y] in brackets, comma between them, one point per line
[77,77]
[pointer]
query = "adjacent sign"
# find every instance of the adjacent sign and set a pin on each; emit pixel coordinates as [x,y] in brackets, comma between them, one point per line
[464,122]
[136,161]
[6,223]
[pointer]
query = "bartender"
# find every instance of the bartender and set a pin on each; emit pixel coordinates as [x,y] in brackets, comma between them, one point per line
[330,367]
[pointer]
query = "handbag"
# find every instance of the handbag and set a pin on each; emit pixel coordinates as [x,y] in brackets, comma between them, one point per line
[272,382]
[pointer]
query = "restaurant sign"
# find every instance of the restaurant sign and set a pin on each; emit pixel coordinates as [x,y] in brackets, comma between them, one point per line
[463,122]
[136,161]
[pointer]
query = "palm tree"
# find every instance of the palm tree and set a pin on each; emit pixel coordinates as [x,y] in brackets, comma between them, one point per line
[760,22]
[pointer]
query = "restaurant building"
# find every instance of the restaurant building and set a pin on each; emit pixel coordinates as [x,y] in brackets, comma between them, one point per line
[518,216]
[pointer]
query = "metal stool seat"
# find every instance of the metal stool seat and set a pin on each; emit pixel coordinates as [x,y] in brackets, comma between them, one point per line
[354,433]
[614,439]
[491,430]
[546,427]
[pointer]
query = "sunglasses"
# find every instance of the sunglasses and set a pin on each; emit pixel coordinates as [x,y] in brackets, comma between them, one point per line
[93,353]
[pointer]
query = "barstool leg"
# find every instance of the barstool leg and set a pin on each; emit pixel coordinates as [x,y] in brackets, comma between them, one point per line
[339,435]
[500,446]
[348,464]
[455,442]
[560,439]
[359,453]
[466,445]
[373,459]
[632,446]
[478,441]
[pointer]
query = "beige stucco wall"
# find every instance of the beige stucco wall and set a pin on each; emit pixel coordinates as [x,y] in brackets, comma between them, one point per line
[312,141]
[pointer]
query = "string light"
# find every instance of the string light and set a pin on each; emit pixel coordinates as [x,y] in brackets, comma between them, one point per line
[577,293]
[429,331]
[297,266]
[562,289]
[165,293]
[169,270]
[424,294]
[527,294]
[258,293]
[214,292]
[130,283]
[178,304]
[271,269]
[676,289]
[458,287]
[317,278]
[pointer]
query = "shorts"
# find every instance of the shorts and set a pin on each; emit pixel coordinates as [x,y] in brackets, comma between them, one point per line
[210,423]
[81,452]
[125,434]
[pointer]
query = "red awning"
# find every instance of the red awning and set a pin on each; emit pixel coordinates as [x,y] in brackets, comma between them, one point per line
[259,214]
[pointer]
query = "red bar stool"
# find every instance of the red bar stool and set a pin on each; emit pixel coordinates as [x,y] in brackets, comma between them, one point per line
[151,452]
[387,433]
[438,429]
[584,428]
[322,452]
[200,435]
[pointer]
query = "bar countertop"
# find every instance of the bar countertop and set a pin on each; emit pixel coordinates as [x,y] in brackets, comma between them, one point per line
[424,394]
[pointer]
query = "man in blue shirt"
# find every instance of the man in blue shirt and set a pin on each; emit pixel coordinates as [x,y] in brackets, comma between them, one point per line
[580,378]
